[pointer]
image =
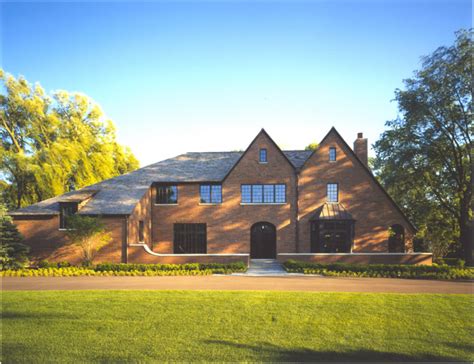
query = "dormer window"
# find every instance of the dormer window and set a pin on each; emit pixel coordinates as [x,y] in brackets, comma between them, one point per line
[66,209]
[332,154]
[263,156]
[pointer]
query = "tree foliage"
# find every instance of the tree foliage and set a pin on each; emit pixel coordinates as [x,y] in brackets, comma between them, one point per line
[311,146]
[52,144]
[424,158]
[89,234]
[13,254]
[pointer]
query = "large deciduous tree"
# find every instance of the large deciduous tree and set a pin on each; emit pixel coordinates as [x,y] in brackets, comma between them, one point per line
[424,158]
[51,144]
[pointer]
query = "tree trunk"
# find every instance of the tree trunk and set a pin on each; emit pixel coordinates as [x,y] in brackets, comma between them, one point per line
[465,226]
[18,197]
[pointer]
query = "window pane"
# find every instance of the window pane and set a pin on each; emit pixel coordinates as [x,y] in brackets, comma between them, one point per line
[173,194]
[332,192]
[205,191]
[167,194]
[246,193]
[257,193]
[280,193]
[332,237]
[66,210]
[332,154]
[263,155]
[216,195]
[190,239]
[269,193]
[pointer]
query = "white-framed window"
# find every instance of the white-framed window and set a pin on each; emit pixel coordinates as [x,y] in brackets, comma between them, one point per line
[262,157]
[210,193]
[263,194]
[166,194]
[332,192]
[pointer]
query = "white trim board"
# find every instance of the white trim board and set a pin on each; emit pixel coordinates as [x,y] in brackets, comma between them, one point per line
[356,254]
[149,251]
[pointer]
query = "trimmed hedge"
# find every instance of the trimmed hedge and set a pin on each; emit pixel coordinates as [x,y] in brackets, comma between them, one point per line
[64,269]
[216,268]
[381,270]
[451,261]
[46,264]
[76,272]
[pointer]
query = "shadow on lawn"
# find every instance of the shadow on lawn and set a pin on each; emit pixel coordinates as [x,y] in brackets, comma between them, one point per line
[270,352]
[14,315]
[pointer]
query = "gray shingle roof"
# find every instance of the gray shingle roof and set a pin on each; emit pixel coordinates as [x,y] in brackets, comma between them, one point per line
[297,157]
[331,211]
[119,195]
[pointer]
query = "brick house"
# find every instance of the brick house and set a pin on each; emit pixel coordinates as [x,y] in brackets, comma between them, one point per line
[323,205]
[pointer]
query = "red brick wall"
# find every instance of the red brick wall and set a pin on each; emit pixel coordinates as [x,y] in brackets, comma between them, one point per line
[46,241]
[139,255]
[141,212]
[368,204]
[228,224]
[419,259]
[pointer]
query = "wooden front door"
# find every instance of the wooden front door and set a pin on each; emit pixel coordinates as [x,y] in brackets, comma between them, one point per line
[263,241]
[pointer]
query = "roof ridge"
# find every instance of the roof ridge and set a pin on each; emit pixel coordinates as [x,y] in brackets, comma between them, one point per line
[224,151]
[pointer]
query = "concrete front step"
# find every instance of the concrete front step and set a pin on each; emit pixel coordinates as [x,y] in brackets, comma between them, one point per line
[265,267]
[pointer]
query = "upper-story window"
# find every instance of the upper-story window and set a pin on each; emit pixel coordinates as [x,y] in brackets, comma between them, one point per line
[66,209]
[332,192]
[332,154]
[166,194]
[263,156]
[211,193]
[263,194]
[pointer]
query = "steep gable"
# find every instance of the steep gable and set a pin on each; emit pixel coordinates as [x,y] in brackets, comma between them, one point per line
[359,191]
[248,163]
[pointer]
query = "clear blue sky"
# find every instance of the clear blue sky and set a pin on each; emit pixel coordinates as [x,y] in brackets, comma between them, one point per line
[195,76]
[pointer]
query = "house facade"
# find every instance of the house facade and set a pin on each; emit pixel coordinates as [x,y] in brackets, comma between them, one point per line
[323,205]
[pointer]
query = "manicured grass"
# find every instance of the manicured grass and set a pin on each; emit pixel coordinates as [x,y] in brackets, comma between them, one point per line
[114,326]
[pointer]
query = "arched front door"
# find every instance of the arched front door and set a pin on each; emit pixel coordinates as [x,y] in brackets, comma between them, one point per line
[263,241]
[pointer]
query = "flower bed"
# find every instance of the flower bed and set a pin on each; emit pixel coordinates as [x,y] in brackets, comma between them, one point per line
[76,272]
[216,268]
[381,270]
[64,269]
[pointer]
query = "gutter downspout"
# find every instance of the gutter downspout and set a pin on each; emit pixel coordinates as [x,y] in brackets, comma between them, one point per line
[297,219]
[125,240]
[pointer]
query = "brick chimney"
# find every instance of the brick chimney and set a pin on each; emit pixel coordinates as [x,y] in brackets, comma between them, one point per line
[361,148]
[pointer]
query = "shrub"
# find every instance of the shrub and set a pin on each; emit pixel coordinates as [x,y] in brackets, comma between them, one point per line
[46,264]
[82,271]
[13,254]
[451,262]
[434,271]
[89,234]
[43,264]
[216,268]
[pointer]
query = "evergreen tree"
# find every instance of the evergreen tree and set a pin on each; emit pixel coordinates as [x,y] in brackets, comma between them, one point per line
[13,254]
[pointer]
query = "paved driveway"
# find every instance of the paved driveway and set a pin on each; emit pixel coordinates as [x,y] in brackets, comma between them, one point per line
[288,283]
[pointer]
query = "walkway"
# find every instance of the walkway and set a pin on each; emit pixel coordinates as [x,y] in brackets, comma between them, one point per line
[216,282]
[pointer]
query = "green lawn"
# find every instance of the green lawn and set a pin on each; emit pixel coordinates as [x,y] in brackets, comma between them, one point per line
[103,326]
